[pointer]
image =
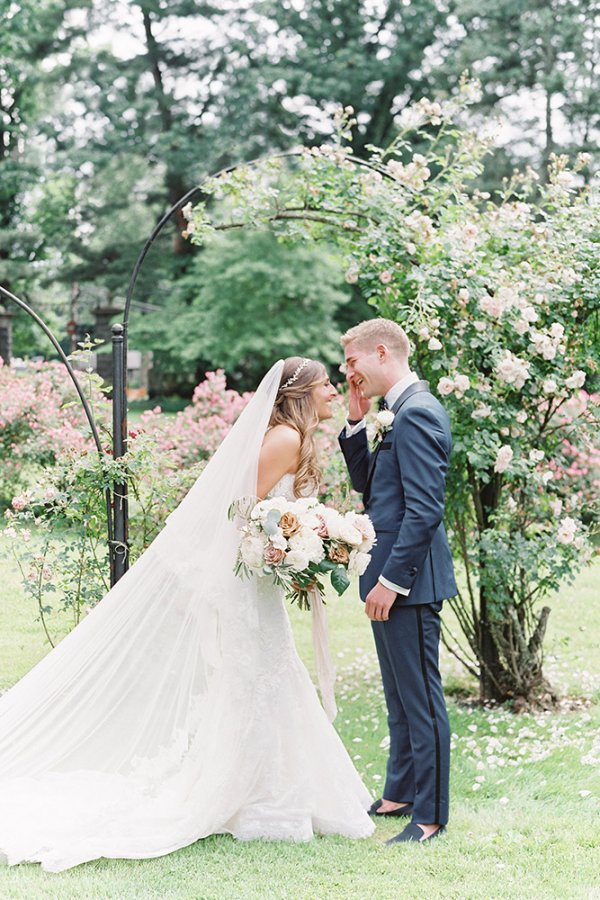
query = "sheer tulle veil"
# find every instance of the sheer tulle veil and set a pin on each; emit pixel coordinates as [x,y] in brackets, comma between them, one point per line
[125,694]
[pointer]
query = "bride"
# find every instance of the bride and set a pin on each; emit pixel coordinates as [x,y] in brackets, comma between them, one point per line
[179,708]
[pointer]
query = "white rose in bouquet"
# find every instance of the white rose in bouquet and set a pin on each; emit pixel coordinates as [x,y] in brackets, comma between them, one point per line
[262,509]
[364,525]
[358,562]
[308,543]
[279,540]
[333,521]
[297,561]
[252,549]
[305,503]
[350,534]
[309,519]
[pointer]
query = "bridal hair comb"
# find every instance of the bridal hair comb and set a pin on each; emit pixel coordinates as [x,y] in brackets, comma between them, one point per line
[294,377]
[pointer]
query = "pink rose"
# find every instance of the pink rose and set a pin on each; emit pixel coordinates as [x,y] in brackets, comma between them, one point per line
[273,555]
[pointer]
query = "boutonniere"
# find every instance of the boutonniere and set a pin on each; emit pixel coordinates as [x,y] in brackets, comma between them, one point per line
[384,420]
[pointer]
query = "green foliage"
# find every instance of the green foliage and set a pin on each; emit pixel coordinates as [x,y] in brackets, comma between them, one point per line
[537,62]
[246,300]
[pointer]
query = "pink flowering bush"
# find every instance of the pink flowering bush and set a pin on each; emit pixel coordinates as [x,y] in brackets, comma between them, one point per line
[58,523]
[197,430]
[499,296]
[41,421]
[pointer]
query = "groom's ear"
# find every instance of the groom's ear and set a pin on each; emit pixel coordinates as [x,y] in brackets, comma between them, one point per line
[382,351]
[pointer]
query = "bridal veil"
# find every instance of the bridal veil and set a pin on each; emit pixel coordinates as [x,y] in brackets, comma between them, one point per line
[147,726]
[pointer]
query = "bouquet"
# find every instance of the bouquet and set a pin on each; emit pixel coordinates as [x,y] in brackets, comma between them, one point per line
[297,542]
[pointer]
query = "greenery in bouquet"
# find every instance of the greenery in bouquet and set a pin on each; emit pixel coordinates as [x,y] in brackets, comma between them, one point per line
[297,542]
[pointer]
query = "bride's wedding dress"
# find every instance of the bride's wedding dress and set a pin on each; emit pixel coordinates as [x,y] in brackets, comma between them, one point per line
[179,707]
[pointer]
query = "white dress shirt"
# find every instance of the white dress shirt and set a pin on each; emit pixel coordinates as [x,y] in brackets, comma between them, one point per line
[390,398]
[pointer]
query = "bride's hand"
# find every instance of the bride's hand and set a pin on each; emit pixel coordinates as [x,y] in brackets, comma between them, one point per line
[359,404]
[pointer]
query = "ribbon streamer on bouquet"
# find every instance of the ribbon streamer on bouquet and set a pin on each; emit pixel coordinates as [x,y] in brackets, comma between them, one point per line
[325,669]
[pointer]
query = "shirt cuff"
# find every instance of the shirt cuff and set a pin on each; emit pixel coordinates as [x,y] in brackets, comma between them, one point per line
[394,587]
[354,429]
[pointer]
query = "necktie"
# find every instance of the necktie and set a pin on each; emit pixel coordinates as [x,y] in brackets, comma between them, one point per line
[381,404]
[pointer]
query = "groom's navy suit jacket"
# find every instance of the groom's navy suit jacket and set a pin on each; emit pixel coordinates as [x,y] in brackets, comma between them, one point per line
[403,485]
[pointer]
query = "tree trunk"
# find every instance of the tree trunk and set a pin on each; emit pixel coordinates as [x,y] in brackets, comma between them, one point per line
[175,184]
[493,682]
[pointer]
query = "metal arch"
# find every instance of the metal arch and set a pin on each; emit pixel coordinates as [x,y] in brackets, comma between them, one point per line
[86,407]
[53,340]
[121,563]
[198,189]
[117,514]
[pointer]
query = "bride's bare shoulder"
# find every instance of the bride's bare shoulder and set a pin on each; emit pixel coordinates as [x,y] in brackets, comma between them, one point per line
[282,437]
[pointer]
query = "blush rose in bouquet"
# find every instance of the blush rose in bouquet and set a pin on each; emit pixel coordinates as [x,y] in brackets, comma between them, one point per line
[298,542]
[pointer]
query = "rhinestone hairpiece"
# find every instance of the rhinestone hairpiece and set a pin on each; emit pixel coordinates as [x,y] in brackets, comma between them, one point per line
[294,377]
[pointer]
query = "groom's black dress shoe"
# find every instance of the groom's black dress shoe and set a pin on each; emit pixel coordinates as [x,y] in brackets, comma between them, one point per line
[413,833]
[395,813]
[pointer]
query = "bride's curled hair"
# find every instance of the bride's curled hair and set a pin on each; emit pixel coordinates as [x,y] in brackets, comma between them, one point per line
[294,407]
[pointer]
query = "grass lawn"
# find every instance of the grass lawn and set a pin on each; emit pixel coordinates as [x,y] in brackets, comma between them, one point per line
[525,819]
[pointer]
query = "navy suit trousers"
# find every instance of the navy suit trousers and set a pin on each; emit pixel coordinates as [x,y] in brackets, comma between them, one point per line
[419,758]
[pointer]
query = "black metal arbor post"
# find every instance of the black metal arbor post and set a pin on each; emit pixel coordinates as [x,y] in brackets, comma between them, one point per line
[117,511]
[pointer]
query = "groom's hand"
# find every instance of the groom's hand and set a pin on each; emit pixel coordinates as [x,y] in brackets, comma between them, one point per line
[359,404]
[379,602]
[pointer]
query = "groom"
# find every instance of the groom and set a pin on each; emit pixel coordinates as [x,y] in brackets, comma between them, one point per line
[402,480]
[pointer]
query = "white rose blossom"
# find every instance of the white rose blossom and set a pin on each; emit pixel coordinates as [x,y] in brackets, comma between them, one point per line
[307,542]
[445,386]
[385,417]
[503,458]
[252,548]
[556,506]
[566,530]
[512,370]
[576,380]
[358,562]
[297,561]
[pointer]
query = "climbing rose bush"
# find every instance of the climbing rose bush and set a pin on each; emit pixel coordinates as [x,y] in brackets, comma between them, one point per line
[499,296]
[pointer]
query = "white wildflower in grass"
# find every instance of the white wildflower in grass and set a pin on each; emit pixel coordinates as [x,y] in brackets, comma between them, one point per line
[434,344]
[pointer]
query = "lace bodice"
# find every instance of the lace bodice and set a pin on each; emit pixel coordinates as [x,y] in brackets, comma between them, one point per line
[285,488]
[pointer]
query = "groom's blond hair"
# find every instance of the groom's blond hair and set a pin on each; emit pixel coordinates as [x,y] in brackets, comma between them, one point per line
[367,335]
